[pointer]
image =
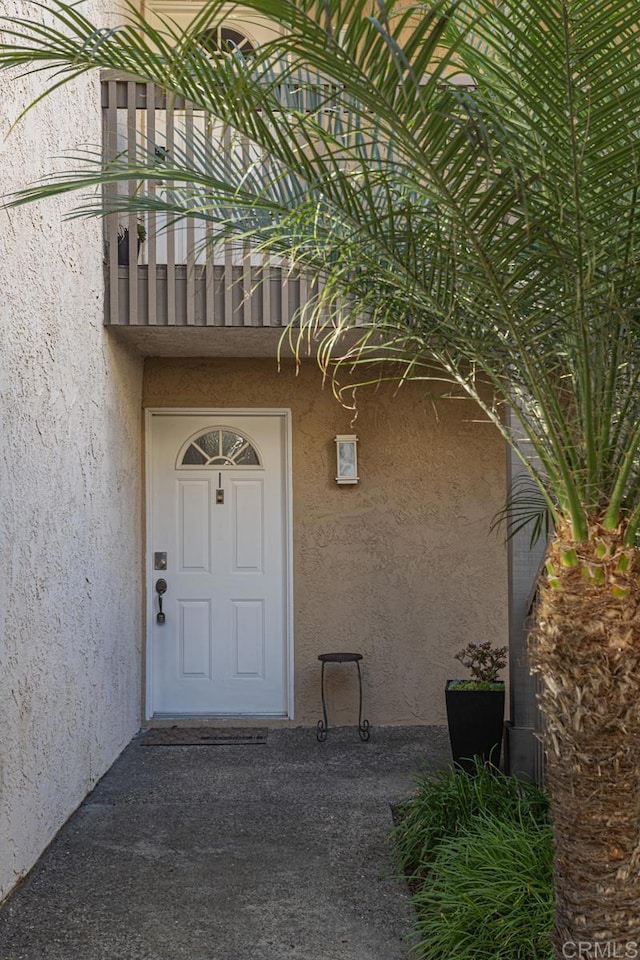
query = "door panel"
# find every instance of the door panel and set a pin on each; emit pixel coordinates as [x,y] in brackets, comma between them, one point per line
[248,635]
[194,524]
[247,499]
[223,648]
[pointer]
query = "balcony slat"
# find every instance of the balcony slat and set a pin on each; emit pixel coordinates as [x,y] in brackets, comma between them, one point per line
[284,294]
[170,230]
[191,234]
[111,222]
[304,289]
[152,242]
[210,312]
[132,133]
[248,310]
[229,318]
[265,290]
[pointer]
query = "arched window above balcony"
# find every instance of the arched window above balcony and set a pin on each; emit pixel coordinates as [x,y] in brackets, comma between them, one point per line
[224,40]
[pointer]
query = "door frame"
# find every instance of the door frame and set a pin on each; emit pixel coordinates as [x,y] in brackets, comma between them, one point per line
[285,415]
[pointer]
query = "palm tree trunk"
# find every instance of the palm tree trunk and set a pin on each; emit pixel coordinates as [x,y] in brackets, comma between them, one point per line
[586,647]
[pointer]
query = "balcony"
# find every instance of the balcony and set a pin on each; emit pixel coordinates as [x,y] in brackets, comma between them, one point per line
[178,278]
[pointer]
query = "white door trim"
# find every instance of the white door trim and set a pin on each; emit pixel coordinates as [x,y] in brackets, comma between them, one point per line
[285,415]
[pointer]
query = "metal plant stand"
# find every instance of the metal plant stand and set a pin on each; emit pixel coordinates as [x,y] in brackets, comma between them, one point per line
[323,725]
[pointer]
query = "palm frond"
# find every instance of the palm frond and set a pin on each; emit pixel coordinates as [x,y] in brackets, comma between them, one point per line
[464,177]
[526,507]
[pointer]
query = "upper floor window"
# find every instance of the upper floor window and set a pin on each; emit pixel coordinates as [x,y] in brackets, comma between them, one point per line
[221,40]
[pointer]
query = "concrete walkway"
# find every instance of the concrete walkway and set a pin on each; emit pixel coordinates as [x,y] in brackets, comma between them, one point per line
[261,852]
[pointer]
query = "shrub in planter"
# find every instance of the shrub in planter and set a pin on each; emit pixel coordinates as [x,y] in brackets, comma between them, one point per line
[475,707]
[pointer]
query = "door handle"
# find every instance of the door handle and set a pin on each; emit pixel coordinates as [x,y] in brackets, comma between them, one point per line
[161,588]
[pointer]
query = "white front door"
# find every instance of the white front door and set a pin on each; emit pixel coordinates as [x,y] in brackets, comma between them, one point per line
[218,493]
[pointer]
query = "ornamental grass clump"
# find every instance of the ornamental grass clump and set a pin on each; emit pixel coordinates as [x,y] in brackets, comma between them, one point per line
[477,852]
[489,895]
[446,802]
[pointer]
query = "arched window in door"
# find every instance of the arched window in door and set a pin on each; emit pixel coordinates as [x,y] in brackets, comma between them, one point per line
[221,447]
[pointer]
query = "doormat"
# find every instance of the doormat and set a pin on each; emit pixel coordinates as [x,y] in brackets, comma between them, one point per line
[203,736]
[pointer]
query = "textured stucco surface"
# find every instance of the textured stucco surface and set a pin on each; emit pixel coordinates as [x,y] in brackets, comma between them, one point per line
[401,567]
[69,491]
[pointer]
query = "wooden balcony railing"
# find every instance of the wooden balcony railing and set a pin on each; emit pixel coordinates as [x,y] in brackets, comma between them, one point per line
[177,276]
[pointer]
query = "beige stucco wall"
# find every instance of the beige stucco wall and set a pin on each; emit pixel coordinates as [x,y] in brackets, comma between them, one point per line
[401,567]
[69,492]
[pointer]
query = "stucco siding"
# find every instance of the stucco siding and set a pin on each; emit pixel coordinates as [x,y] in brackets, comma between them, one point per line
[70,498]
[400,567]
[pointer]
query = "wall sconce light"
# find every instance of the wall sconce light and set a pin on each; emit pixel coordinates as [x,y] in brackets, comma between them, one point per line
[347,458]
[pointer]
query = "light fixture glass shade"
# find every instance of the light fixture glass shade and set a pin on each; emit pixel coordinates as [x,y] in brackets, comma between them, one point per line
[347,458]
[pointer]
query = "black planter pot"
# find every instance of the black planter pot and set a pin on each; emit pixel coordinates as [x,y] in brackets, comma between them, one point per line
[476,720]
[123,248]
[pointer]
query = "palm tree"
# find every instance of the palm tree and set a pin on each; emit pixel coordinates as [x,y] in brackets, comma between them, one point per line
[464,177]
